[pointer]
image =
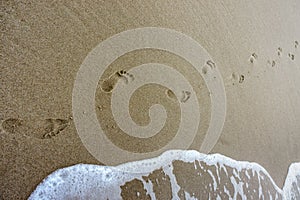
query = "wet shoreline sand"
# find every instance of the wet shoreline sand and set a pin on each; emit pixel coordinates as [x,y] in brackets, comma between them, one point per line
[255,46]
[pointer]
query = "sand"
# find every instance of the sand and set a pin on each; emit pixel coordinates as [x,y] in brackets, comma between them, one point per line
[254,46]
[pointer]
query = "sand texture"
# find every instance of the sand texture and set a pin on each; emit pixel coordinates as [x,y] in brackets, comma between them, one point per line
[212,76]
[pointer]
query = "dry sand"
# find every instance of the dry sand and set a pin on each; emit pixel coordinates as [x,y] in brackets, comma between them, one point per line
[255,45]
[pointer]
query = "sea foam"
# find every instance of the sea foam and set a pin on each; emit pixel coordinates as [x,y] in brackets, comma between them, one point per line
[176,174]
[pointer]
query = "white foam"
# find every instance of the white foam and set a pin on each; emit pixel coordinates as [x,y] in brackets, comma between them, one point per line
[168,169]
[226,191]
[148,186]
[93,181]
[214,179]
[291,186]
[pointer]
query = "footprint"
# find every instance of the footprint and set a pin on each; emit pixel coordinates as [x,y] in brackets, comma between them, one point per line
[170,94]
[253,57]
[272,63]
[241,79]
[279,51]
[108,84]
[11,125]
[296,44]
[54,127]
[292,56]
[41,129]
[211,64]
[126,76]
[185,96]
[235,78]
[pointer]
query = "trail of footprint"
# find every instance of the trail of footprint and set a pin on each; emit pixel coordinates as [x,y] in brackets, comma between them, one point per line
[109,84]
[184,96]
[280,53]
[41,129]
[234,79]
[240,78]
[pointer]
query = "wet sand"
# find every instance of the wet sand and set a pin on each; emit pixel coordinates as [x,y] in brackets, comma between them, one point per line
[255,46]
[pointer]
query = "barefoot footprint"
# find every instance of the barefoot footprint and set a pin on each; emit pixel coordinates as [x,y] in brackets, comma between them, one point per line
[41,129]
[253,57]
[211,64]
[11,125]
[241,79]
[279,51]
[185,96]
[55,126]
[109,83]
[126,76]
[291,56]
[170,94]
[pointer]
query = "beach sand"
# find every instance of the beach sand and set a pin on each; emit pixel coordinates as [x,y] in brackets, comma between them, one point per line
[255,46]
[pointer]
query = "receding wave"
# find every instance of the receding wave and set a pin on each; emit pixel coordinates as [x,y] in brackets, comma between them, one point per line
[175,174]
